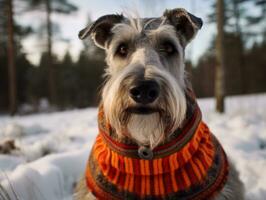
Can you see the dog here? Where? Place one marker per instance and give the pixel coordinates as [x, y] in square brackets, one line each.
[152, 142]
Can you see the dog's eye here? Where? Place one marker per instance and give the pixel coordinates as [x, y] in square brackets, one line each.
[122, 50]
[168, 48]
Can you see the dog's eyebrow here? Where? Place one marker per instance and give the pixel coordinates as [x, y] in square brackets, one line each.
[119, 42]
[163, 31]
[122, 33]
[164, 36]
[164, 39]
[148, 23]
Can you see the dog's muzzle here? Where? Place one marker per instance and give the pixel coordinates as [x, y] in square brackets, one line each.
[145, 92]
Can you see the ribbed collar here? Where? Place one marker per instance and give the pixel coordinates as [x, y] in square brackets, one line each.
[173, 143]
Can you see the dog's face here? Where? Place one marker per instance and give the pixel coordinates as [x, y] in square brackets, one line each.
[143, 97]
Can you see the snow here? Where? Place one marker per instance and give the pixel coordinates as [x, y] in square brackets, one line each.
[242, 132]
[54, 147]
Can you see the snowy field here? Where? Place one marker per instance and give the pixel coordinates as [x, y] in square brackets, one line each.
[53, 148]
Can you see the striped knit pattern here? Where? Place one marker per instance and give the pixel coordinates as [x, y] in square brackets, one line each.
[196, 168]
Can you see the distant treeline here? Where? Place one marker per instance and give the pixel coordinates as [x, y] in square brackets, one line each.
[245, 72]
[78, 83]
[68, 84]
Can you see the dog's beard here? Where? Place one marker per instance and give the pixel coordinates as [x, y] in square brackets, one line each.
[146, 129]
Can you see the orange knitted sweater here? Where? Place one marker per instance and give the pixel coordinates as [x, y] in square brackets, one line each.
[192, 165]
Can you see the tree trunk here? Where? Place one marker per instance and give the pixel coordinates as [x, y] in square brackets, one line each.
[11, 60]
[241, 57]
[220, 68]
[51, 74]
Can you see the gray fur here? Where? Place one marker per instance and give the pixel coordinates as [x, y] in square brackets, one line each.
[81, 191]
[234, 188]
[147, 59]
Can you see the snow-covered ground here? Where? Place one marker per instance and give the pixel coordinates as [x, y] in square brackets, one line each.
[53, 148]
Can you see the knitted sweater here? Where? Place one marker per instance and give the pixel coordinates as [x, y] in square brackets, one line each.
[190, 165]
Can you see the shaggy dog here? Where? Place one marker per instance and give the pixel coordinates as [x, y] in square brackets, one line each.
[152, 142]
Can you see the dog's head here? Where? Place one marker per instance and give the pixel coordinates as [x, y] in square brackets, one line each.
[144, 97]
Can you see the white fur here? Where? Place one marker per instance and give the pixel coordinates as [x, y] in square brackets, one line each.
[146, 129]
[173, 98]
[234, 188]
[168, 31]
[150, 129]
[116, 98]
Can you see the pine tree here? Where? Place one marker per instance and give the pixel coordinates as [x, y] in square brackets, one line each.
[11, 59]
[52, 6]
[234, 12]
[220, 73]
[259, 19]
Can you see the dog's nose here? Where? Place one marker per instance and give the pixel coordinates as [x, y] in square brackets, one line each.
[145, 92]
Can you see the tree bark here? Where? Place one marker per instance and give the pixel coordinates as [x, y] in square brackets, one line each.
[220, 68]
[51, 74]
[11, 60]
[241, 57]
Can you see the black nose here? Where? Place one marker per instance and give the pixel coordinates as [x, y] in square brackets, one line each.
[145, 92]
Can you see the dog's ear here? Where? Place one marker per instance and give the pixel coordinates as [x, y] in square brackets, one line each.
[185, 23]
[100, 30]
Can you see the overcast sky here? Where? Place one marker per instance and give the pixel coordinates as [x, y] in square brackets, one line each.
[71, 24]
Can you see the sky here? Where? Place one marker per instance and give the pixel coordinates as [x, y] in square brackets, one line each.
[71, 24]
